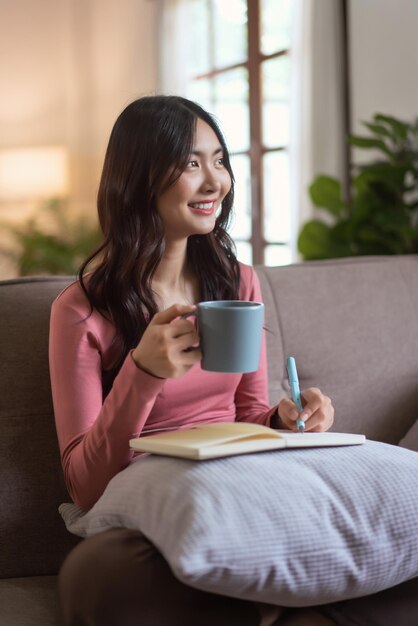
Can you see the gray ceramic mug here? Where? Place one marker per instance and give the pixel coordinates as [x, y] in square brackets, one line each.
[230, 335]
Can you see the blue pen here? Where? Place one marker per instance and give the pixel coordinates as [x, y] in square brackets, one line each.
[292, 374]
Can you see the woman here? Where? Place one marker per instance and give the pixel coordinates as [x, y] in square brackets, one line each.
[120, 356]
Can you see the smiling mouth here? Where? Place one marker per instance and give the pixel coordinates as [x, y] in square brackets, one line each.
[204, 208]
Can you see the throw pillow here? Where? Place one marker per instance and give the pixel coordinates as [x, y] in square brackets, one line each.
[292, 527]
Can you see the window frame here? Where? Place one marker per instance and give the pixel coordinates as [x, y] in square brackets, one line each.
[256, 151]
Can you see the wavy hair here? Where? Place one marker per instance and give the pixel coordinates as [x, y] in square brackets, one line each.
[152, 138]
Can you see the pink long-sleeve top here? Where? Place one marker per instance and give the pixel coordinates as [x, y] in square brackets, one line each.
[93, 433]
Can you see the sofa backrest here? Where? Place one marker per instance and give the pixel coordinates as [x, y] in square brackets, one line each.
[352, 325]
[32, 535]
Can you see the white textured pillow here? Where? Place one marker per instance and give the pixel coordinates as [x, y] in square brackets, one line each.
[293, 527]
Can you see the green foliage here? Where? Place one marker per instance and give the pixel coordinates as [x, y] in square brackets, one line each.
[51, 242]
[381, 217]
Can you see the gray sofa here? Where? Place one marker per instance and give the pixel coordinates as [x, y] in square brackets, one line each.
[351, 324]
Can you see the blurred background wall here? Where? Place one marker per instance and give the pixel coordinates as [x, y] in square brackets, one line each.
[68, 67]
[383, 58]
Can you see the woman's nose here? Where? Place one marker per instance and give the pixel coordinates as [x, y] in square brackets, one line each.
[212, 180]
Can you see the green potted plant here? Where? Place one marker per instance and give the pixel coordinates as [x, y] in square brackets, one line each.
[51, 242]
[381, 215]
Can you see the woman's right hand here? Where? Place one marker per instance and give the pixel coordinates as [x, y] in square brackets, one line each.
[164, 348]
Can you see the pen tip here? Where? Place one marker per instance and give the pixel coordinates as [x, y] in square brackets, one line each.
[301, 425]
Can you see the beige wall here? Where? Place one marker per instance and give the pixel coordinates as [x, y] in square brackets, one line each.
[384, 59]
[67, 68]
[111, 59]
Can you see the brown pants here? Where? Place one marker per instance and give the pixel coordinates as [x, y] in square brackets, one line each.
[397, 606]
[118, 578]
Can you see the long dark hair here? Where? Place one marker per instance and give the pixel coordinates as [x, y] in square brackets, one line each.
[152, 137]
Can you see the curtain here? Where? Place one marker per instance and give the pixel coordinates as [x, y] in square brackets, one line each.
[317, 102]
[174, 24]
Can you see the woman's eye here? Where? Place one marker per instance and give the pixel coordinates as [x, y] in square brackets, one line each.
[192, 164]
[219, 161]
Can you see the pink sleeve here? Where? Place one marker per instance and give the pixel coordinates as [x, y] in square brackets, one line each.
[251, 396]
[93, 435]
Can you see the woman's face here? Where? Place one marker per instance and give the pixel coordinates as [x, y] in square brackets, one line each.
[189, 206]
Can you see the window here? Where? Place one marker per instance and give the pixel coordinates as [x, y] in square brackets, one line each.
[240, 71]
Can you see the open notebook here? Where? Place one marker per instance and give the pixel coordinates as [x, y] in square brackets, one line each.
[210, 441]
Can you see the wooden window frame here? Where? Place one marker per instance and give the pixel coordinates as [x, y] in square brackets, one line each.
[256, 150]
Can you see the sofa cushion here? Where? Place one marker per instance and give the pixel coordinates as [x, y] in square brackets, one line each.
[411, 438]
[293, 528]
[29, 602]
[33, 541]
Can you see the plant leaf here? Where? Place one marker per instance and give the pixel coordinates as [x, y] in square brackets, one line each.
[399, 128]
[313, 240]
[320, 241]
[378, 129]
[367, 142]
[325, 192]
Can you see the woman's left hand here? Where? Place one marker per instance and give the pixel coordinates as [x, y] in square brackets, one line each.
[318, 412]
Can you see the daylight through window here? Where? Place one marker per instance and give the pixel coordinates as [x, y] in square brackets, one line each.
[241, 73]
